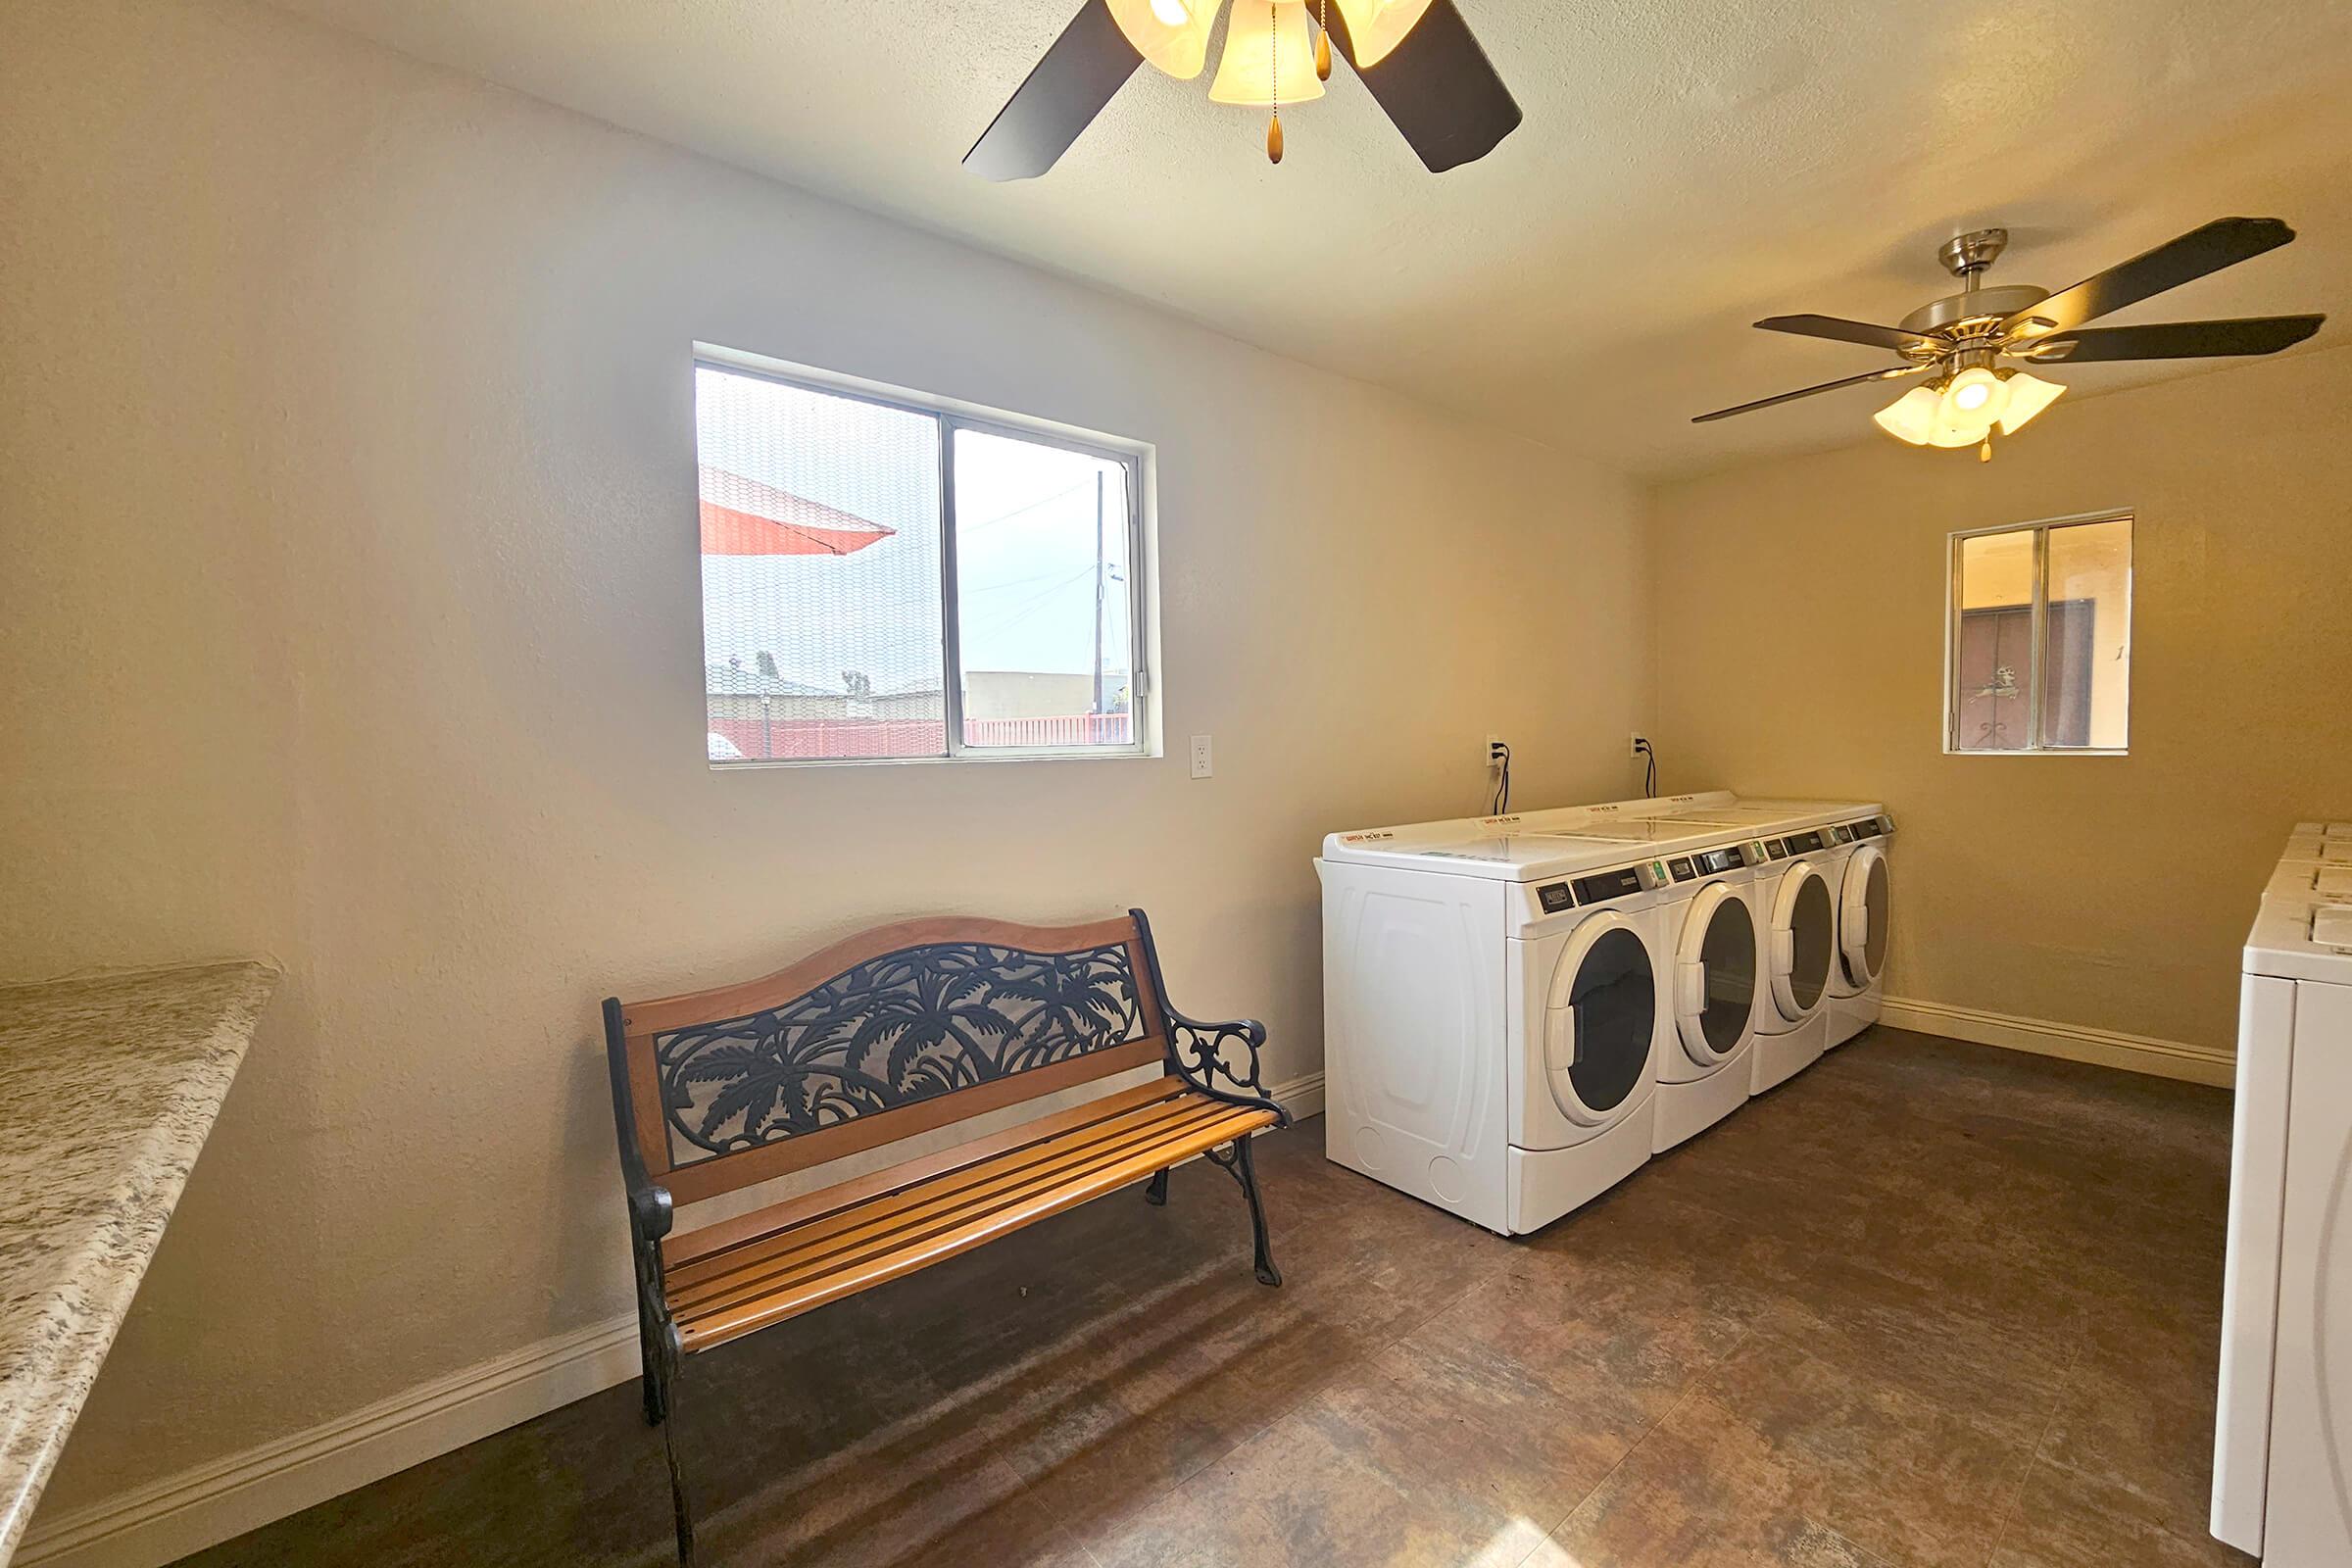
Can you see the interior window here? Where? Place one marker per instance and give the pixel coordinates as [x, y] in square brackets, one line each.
[883, 580]
[2040, 638]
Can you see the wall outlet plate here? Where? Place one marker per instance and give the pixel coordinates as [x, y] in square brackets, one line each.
[1640, 746]
[1204, 763]
[1490, 753]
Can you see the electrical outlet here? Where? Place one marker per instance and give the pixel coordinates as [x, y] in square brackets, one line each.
[1640, 746]
[1491, 753]
[1202, 763]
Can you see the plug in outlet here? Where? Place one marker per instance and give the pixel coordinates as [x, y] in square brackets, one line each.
[1640, 746]
[1493, 753]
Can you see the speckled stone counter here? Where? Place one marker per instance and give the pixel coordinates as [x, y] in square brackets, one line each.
[108, 1088]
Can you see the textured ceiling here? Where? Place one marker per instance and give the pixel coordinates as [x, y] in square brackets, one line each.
[1685, 167]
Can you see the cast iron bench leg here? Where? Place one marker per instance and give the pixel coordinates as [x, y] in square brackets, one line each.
[1247, 1170]
[1157, 1193]
[661, 1367]
[1235, 1158]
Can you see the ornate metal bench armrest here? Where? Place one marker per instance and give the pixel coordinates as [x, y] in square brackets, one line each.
[649, 1208]
[1199, 1052]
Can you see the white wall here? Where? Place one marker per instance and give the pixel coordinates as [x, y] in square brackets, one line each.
[347, 471]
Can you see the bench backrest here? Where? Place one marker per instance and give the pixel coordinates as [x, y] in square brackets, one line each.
[887, 1034]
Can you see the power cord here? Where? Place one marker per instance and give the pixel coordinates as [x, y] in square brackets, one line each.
[1501, 801]
[1650, 773]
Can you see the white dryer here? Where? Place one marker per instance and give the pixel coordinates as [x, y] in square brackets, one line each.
[1798, 901]
[2283, 1444]
[1495, 999]
[1863, 885]
[1711, 930]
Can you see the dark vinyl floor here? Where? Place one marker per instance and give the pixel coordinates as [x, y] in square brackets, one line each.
[1931, 1303]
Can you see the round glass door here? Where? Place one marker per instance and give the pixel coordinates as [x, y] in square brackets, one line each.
[1804, 935]
[1601, 1023]
[1726, 1001]
[1864, 918]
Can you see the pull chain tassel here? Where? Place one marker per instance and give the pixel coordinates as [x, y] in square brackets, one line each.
[1323, 42]
[1274, 83]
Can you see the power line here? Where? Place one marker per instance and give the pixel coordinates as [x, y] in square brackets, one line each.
[987, 524]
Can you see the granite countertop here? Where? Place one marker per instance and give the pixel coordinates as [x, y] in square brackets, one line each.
[108, 1088]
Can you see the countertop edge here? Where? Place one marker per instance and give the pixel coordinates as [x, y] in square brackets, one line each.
[54, 1380]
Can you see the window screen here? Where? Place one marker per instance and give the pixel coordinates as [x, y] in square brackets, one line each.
[2040, 638]
[882, 580]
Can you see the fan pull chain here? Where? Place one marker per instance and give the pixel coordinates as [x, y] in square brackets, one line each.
[1323, 43]
[1274, 82]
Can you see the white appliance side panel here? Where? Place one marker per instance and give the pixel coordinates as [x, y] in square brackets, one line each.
[2308, 1521]
[2241, 1441]
[1413, 1034]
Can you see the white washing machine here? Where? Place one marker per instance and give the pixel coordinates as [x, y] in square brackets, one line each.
[1859, 947]
[1861, 881]
[1495, 999]
[2283, 1441]
[1712, 929]
[1799, 907]
[2322, 880]
[2329, 843]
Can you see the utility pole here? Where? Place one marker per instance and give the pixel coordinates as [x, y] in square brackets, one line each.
[1099, 574]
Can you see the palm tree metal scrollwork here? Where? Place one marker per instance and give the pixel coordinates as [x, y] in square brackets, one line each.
[893, 1030]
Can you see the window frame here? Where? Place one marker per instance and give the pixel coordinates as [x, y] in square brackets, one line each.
[1136, 459]
[1953, 578]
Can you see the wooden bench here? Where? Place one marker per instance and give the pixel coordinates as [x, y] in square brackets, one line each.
[903, 1030]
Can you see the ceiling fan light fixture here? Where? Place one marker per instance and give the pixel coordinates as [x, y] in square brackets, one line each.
[2029, 395]
[1976, 396]
[1375, 28]
[1266, 45]
[1170, 34]
[1912, 416]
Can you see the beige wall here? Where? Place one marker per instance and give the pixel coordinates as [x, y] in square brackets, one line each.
[1806, 657]
[347, 471]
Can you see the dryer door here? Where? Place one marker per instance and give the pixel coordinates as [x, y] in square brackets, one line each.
[1715, 976]
[1599, 1019]
[1803, 927]
[1862, 917]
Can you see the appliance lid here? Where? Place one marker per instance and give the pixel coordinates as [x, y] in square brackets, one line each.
[2302, 939]
[1530, 847]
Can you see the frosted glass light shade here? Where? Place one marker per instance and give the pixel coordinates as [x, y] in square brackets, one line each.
[2029, 395]
[1251, 70]
[1376, 27]
[1912, 416]
[1172, 35]
[1930, 416]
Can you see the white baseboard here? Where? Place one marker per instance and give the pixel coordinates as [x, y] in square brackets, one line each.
[2074, 1041]
[167, 1519]
[1300, 1097]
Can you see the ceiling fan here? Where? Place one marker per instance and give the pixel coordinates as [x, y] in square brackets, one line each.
[1418, 57]
[1958, 341]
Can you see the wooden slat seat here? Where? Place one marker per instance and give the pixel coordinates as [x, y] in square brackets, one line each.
[891, 1034]
[776, 1263]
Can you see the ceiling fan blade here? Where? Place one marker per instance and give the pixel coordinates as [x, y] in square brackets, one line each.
[1846, 331]
[1081, 73]
[1888, 375]
[1439, 88]
[2176, 340]
[2223, 242]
